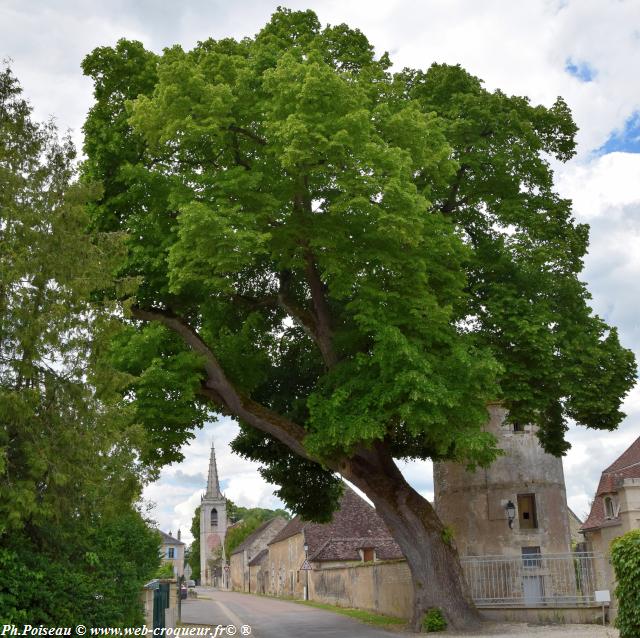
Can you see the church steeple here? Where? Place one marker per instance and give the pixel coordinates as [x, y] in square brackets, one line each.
[213, 486]
[213, 525]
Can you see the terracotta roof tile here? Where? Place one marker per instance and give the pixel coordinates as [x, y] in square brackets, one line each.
[631, 456]
[627, 465]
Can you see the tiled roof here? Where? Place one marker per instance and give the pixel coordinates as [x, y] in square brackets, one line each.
[293, 527]
[627, 465]
[631, 456]
[169, 540]
[348, 549]
[355, 525]
[249, 539]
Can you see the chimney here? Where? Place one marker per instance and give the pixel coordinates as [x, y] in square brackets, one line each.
[178, 533]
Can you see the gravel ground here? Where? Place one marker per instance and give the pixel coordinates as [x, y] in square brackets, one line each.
[521, 630]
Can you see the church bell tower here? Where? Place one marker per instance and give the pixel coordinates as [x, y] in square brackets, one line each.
[213, 525]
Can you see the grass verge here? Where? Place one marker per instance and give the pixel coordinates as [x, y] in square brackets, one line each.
[360, 614]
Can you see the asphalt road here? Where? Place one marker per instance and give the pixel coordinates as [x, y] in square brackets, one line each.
[274, 618]
[270, 618]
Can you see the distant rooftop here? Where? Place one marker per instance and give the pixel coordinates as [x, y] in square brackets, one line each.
[167, 539]
[627, 465]
[355, 525]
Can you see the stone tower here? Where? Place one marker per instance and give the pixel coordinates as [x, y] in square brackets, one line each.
[213, 524]
[474, 504]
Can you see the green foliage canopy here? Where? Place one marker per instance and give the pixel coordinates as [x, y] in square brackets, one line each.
[247, 520]
[370, 256]
[73, 549]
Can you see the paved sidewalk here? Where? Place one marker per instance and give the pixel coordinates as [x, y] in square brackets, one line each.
[523, 630]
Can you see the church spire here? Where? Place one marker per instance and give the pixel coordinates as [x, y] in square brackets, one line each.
[213, 486]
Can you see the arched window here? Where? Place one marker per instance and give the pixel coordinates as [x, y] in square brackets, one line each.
[608, 507]
[214, 517]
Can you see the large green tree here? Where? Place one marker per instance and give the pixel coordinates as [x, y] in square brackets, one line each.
[73, 549]
[350, 262]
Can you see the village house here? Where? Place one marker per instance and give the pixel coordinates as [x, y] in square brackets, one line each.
[616, 507]
[250, 548]
[355, 535]
[575, 525]
[172, 552]
[259, 572]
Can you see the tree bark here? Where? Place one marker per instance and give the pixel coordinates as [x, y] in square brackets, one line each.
[438, 580]
[435, 568]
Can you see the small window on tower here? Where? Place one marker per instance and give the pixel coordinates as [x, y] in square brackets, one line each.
[518, 427]
[527, 515]
[531, 557]
[214, 517]
[609, 510]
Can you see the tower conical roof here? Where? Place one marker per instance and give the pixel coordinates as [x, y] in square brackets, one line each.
[213, 485]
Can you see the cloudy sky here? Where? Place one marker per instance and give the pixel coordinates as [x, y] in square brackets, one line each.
[588, 51]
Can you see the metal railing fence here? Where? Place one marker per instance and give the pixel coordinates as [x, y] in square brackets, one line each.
[533, 580]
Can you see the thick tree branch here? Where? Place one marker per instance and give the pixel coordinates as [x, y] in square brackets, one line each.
[316, 323]
[451, 202]
[248, 133]
[240, 161]
[253, 303]
[301, 315]
[218, 388]
[322, 315]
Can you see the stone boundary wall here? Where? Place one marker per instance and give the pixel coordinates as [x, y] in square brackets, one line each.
[383, 587]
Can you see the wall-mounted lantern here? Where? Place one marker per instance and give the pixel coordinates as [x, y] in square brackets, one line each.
[511, 512]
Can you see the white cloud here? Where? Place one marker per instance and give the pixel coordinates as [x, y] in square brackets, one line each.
[174, 495]
[519, 47]
[250, 490]
[602, 187]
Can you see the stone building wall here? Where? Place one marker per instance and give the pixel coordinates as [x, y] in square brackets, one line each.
[253, 545]
[386, 588]
[211, 535]
[473, 503]
[383, 588]
[259, 576]
[285, 559]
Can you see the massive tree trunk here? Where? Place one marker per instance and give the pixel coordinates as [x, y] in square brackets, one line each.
[432, 558]
[438, 580]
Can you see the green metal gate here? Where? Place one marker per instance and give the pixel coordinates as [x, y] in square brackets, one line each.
[160, 603]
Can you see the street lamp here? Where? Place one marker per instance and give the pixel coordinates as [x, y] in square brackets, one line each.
[306, 571]
[511, 512]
